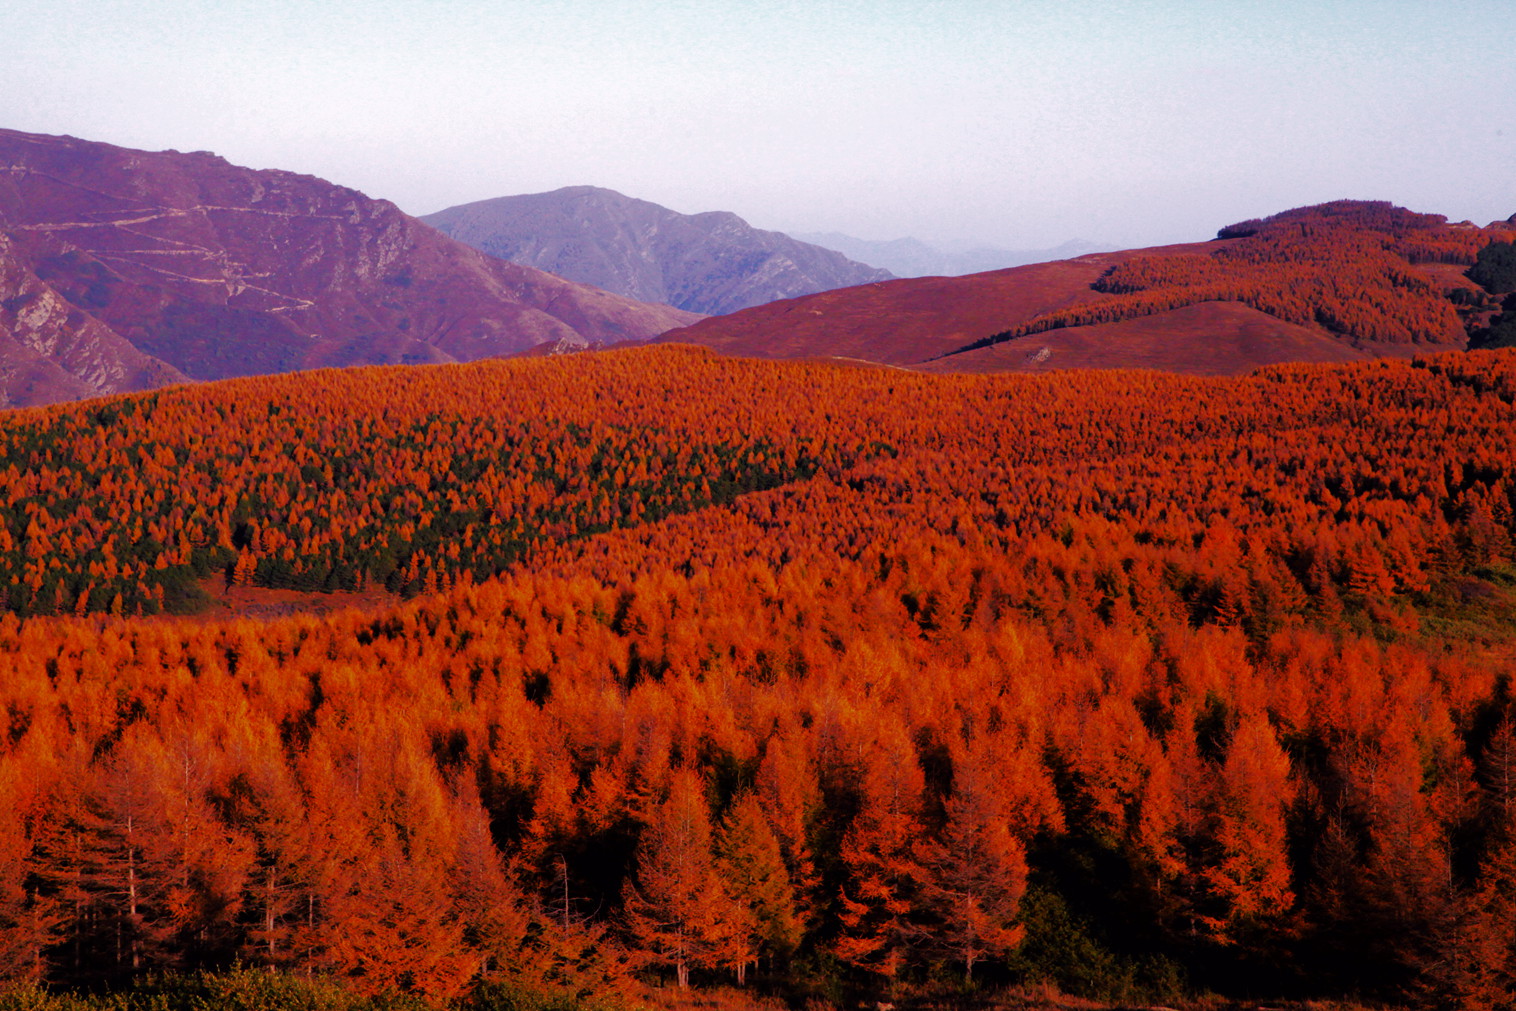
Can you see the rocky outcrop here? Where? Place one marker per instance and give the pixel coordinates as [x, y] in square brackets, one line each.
[52, 350]
[707, 263]
[123, 270]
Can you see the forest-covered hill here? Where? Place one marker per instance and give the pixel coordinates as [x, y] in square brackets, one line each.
[837, 681]
[1345, 280]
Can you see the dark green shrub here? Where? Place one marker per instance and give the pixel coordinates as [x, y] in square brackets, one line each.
[1495, 269]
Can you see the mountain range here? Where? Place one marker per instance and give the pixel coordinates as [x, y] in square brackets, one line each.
[710, 263]
[124, 270]
[913, 258]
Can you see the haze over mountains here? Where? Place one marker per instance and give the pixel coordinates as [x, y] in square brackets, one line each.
[709, 263]
[910, 257]
[126, 270]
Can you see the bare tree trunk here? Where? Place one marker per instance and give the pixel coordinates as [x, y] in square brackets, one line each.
[564, 870]
[131, 892]
[268, 913]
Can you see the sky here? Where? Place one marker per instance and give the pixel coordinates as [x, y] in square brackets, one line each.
[1018, 123]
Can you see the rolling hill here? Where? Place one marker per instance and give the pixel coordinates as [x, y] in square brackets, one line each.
[1352, 279]
[123, 270]
[710, 263]
[900, 322]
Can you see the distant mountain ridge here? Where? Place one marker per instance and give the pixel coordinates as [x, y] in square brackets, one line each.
[123, 270]
[711, 263]
[910, 257]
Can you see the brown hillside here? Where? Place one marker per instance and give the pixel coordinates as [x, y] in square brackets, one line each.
[124, 270]
[1209, 338]
[1333, 282]
[906, 322]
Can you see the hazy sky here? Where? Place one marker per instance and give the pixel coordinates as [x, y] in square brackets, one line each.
[1021, 123]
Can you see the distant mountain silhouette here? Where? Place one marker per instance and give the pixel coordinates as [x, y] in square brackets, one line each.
[708, 263]
[124, 270]
[913, 258]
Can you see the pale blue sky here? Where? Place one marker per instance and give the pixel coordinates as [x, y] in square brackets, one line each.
[1016, 123]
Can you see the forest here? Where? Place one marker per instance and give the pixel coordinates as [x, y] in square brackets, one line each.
[1351, 267]
[1494, 270]
[816, 683]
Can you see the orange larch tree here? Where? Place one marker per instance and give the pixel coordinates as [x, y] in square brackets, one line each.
[676, 909]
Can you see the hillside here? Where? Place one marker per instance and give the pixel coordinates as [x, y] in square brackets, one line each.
[124, 270]
[709, 263]
[1208, 338]
[1125, 684]
[906, 321]
[1333, 282]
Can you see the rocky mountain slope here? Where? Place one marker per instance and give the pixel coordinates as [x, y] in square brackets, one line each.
[708, 263]
[124, 270]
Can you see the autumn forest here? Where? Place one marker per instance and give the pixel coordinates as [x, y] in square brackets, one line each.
[818, 682]
[1353, 268]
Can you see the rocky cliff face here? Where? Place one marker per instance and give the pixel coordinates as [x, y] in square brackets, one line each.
[708, 263]
[51, 350]
[124, 270]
